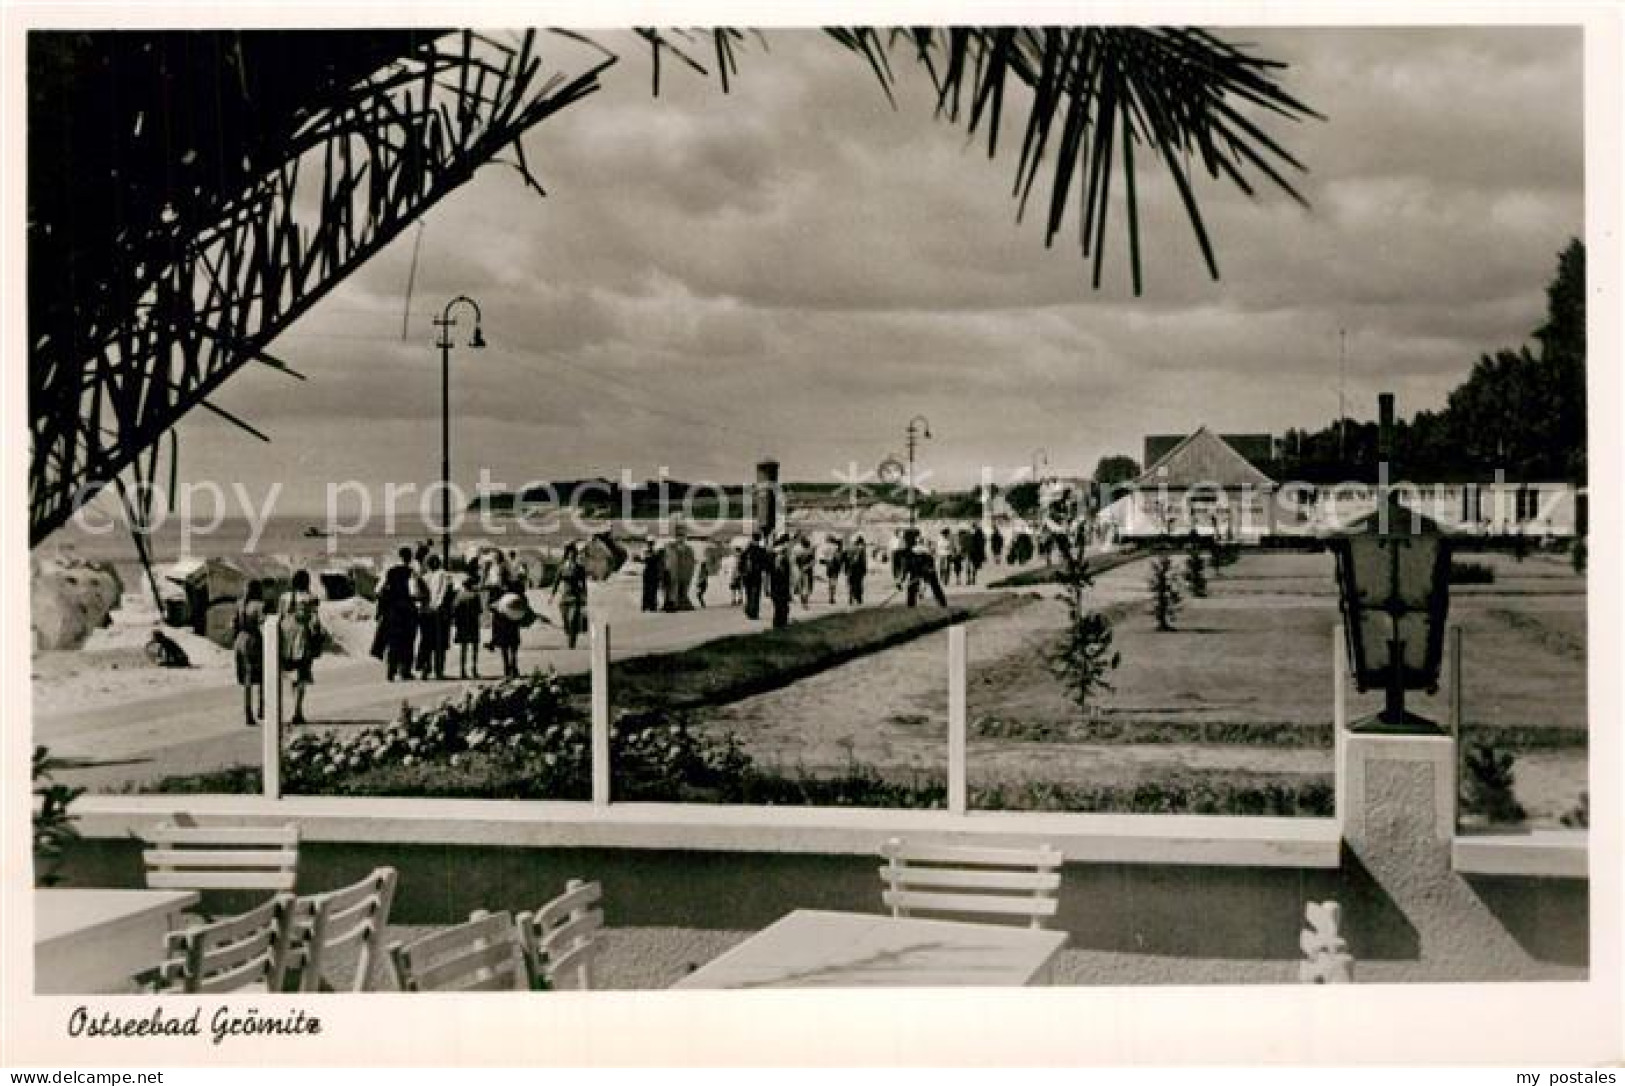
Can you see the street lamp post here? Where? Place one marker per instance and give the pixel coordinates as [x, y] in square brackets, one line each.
[446, 322]
[915, 435]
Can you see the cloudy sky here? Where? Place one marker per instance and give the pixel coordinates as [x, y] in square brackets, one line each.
[795, 269]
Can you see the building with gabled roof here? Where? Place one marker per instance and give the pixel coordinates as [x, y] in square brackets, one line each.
[1201, 484]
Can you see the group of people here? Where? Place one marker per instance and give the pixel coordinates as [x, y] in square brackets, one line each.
[300, 640]
[424, 608]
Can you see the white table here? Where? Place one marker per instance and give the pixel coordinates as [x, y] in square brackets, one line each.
[94, 941]
[813, 949]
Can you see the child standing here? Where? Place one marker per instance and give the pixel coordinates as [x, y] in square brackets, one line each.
[466, 607]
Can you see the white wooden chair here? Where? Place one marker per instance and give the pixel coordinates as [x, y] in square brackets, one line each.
[326, 923]
[561, 938]
[240, 953]
[186, 856]
[483, 954]
[1003, 882]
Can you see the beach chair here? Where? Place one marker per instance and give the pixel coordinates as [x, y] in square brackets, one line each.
[188, 856]
[1000, 882]
[561, 938]
[327, 926]
[483, 954]
[240, 953]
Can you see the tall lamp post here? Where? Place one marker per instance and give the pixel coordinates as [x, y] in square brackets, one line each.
[915, 434]
[1393, 583]
[446, 322]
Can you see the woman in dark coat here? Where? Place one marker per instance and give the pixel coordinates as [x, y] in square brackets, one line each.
[397, 621]
[780, 573]
[856, 564]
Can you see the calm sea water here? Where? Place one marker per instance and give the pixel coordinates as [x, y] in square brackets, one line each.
[290, 537]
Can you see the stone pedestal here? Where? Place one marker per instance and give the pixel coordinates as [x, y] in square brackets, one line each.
[1397, 788]
[1397, 807]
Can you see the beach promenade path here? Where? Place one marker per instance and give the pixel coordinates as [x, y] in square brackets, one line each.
[124, 746]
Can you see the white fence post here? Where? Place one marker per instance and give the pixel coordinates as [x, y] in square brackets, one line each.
[600, 713]
[1457, 716]
[1340, 714]
[956, 719]
[271, 726]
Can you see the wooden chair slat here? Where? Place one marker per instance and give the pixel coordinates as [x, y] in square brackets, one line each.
[435, 944]
[227, 836]
[560, 908]
[220, 958]
[568, 934]
[573, 968]
[201, 879]
[956, 878]
[498, 957]
[969, 903]
[243, 978]
[1044, 857]
[207, 858]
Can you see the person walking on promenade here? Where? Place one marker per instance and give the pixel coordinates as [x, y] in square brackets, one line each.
[729, 571]
[753, 570]
[467, 604]
[397, 618]
[997, 543]
[570, 588]
[899, 556]
[300, 633]
[945, 556]
[779, 579]
[654, 572]
[432, 606]
[702, 580]
[856, 564]
[830, 557]
[975, 552]
[806, 560]
[248, 646]
[923, 571]
[506, 616]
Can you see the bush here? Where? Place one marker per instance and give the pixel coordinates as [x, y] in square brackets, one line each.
[1263, 795]
[1471, 573]
[1195, 573]
[1577, 555]
[529, 721]
[1489, 782]
[1084, 656]
[54, 830]
[1579, 816]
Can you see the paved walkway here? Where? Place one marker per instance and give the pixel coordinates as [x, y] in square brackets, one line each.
[127, 745]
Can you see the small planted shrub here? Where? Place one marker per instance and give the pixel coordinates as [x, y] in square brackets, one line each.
[1520, 545]
[1165, 598]
[1579, 816]
[1085, 657]
[54, 830]
[1471, 573]
[1488, 781]
[1577, 555]
[1196, 574]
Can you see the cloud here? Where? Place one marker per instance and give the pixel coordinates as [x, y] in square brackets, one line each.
[796, 268]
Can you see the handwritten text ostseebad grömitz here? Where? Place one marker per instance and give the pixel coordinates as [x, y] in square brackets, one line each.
[224, 1022]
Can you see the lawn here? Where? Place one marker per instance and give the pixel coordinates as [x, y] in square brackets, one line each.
[1239, 693]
